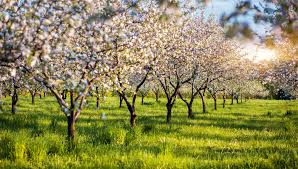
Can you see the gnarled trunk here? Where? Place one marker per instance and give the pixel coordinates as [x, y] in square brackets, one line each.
[169, 112]
[157, 96]
[97, 97]
[71, 118]
[190, 113]
[32, 93]
[13, 108]
[189, 104]
[133, 115]
[120, 101]
[143, 100]
[203, 102]
[215, 102]
[33, 98]
[97, 102]
[71, 127]
[237, 99]
[232, 99]
[171, 96]
[14, 100]
[131, 108]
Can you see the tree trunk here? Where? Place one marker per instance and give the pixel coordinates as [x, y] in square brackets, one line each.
[241, 98]
[44, 94]
[97, 97]
[237, 99]
[142, 100]
[133, 115]
[156, 97]
[169, 112]
[232, 101]
[71, 127]
[224, 101]
[13, 108]
[40, 96]
[215, 102]
[71, 119]
[121, 101]
[33, 98]
[189, 104]
[97, 102]
[14, 100]
[190, 113]
[203, 102]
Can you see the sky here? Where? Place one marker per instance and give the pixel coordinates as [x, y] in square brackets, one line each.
[253, 48]
[218, 7]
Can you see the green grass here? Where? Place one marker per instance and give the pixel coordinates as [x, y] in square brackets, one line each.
[254, 134]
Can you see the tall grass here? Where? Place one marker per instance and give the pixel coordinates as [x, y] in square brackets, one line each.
[254, 134]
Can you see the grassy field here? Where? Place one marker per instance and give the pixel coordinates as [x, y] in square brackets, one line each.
[254, 134]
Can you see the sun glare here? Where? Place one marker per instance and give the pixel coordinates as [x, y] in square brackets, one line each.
[258, 53]
[264, 54]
